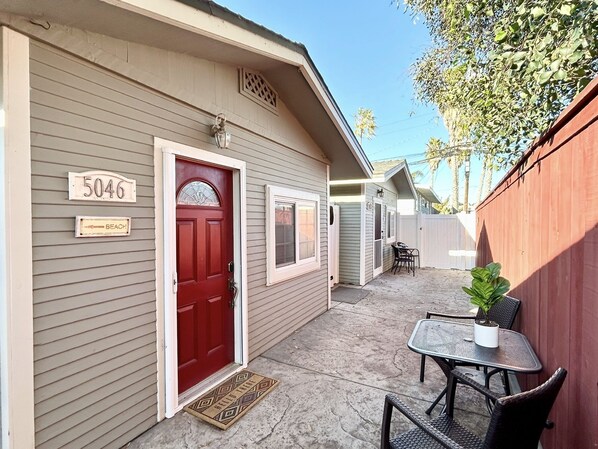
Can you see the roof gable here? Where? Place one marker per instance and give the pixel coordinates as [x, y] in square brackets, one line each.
[206, 30]
[393, 170]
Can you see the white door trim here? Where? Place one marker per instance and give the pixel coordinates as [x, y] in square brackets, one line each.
[379, 270]
[16, 259]
[328, 205]
[165, 153]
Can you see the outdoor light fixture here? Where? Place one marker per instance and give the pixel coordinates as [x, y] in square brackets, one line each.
[380, 193]
[219, 132]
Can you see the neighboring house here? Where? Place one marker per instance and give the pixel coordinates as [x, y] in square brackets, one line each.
[426, 197]
[368, 209]
[109, 109]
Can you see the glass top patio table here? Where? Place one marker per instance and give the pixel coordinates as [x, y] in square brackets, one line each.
[453, 341]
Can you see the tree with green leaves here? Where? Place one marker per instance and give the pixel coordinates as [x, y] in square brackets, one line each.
[509, 66]
[365, 124]
[444, 208]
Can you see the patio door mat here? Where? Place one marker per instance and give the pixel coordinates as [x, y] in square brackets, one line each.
[349, 295]
[223, 405]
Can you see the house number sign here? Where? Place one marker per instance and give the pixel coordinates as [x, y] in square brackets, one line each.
[102, 186]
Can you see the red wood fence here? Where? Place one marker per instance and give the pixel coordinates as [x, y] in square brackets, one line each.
[541, 223]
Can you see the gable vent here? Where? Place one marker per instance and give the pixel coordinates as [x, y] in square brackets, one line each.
[255, 87]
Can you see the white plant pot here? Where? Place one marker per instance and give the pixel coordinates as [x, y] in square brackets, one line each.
[485, 335]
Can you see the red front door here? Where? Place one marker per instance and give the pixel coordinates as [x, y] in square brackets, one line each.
[204, 250]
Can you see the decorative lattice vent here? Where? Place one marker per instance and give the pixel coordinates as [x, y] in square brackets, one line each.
[254, 86]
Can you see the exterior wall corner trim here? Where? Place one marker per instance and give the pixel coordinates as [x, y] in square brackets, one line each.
[16, 275]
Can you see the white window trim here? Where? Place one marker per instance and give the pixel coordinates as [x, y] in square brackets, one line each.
[391, 238]
[276, 274]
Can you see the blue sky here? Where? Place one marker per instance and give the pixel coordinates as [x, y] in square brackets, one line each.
[364, 50]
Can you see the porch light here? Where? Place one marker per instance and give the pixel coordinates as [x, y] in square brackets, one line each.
[219, 132]
[380, 193]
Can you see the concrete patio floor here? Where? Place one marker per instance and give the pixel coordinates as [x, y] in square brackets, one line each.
[335, 371]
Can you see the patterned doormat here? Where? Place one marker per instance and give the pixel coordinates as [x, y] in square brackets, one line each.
[223, 405]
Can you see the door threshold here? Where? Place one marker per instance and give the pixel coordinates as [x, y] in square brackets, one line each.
[210, 382]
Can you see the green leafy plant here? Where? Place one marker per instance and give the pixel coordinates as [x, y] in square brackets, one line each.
[508, 67]
[487, 287]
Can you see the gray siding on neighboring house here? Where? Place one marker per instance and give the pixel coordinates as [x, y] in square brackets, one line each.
[350, 243]
[94, 299]
[351, 230]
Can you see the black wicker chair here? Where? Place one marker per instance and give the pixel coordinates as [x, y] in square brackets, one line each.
[516, 422]
[503, 313]
[412, 251]
[403, 258]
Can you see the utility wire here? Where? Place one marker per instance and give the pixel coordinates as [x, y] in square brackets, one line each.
[414, 117]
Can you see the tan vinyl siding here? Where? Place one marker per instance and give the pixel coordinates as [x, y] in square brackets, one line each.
[276, 311]
[350, 243]
[94, 299]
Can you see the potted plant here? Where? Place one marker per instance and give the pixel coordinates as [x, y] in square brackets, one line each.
[487, 289]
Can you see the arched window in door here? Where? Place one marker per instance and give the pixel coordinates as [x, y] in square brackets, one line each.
[198, 193]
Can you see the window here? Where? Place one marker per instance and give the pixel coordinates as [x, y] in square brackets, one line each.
[391, 225]
[292, 233]
[198, 193]
[284, 236]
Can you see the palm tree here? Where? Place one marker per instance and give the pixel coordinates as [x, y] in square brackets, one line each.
[434, 155]
[453, 157]
[417, 176]
[365, 124]
[467, 160]
[488, 169]
[482, 178]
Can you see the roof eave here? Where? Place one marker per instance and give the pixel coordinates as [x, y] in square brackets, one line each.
[301, 58]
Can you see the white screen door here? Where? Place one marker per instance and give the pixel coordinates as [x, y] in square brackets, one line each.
[378, 237]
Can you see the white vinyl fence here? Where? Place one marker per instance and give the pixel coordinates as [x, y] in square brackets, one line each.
[444, 241]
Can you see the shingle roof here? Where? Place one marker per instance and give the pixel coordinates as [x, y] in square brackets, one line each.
[428, 193]
[381, 167]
